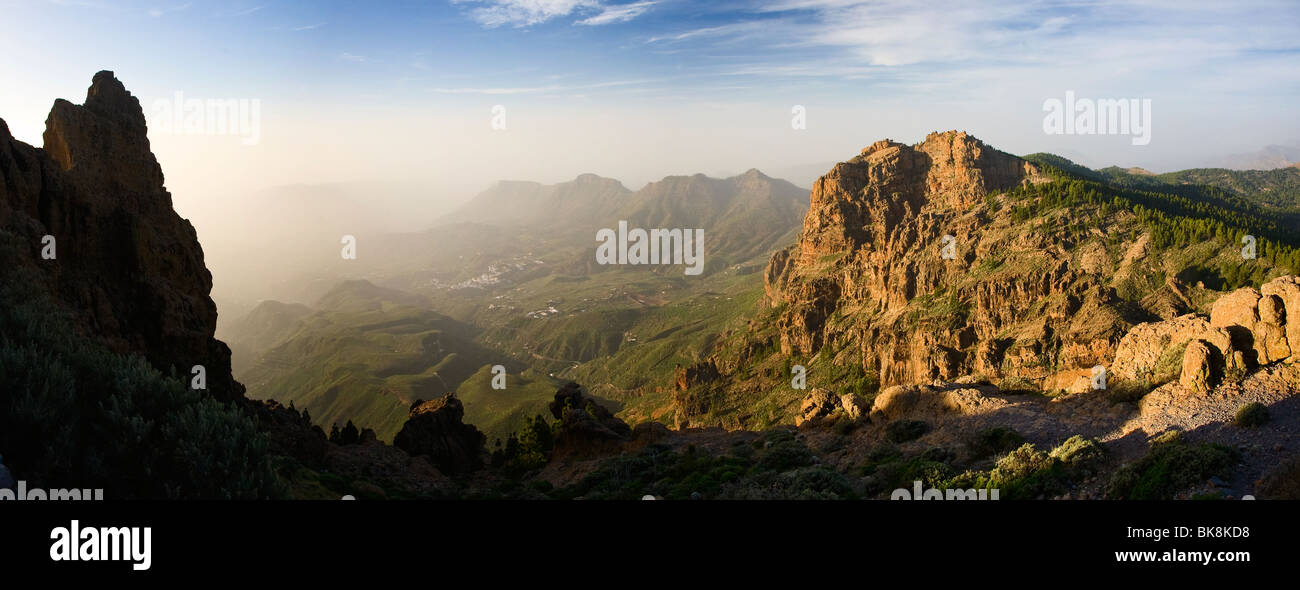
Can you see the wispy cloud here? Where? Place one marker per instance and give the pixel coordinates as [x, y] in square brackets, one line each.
[248, 11]
[349, 57]
[523, 13]
[618, 14]
[309, 27]
[526, 13]
[727, 30]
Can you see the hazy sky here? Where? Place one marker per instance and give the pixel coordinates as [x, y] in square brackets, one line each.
[405, 90]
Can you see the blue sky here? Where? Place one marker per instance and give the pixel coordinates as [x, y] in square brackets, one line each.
[641, 89]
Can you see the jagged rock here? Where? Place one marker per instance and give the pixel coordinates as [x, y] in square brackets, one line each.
[127, 264]
[819, 403]
[436, 429]
[870, 249]
[702, 372]
[1197, 373]
[586, 427]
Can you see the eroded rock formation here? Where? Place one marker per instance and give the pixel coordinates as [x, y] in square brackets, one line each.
[125, 262]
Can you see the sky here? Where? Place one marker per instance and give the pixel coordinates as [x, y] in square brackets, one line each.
[407, 91]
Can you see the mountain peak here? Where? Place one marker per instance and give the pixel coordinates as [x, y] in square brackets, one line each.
[135, 269]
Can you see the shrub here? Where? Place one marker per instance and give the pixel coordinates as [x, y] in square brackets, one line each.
[786, 455]
[1021, 463]
[1169, 467]
[1282, 482]
[80, 416]
[1170, 365]
[1251, 415]
[905, 430]
[1079, 452]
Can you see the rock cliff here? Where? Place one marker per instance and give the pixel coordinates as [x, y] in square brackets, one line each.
[124, 262]
[910, 264]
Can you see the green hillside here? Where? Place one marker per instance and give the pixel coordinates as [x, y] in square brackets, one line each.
[365, 358]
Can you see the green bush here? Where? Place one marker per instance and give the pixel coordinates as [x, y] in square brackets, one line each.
[1079, 452]
[1169, 467]
[1251, 415]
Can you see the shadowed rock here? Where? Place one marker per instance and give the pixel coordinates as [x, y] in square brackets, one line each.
[436, 429]
[127, 264]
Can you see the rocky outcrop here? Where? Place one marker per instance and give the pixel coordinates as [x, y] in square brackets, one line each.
[818, 403]
[854, 406]
[1247, 328]
[586, 428]
[931, 401]
[902, 265]
[436, 429]
[125, 262]
[702, 372]
[821, 403]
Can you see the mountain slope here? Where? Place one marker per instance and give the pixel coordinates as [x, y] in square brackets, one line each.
[1048, 268]
[365, 355]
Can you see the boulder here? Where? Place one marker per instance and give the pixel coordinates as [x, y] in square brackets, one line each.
[1142, 348]
[819, 403]
[854, 406]
[1197, 374]
[1238, 308]
[1287, 292]
[436, 429]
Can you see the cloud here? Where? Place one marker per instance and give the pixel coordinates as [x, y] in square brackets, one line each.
[309, 27]
[526, 13]
[352, 58]
[248, 11]
[618, 14]
[523, 13]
